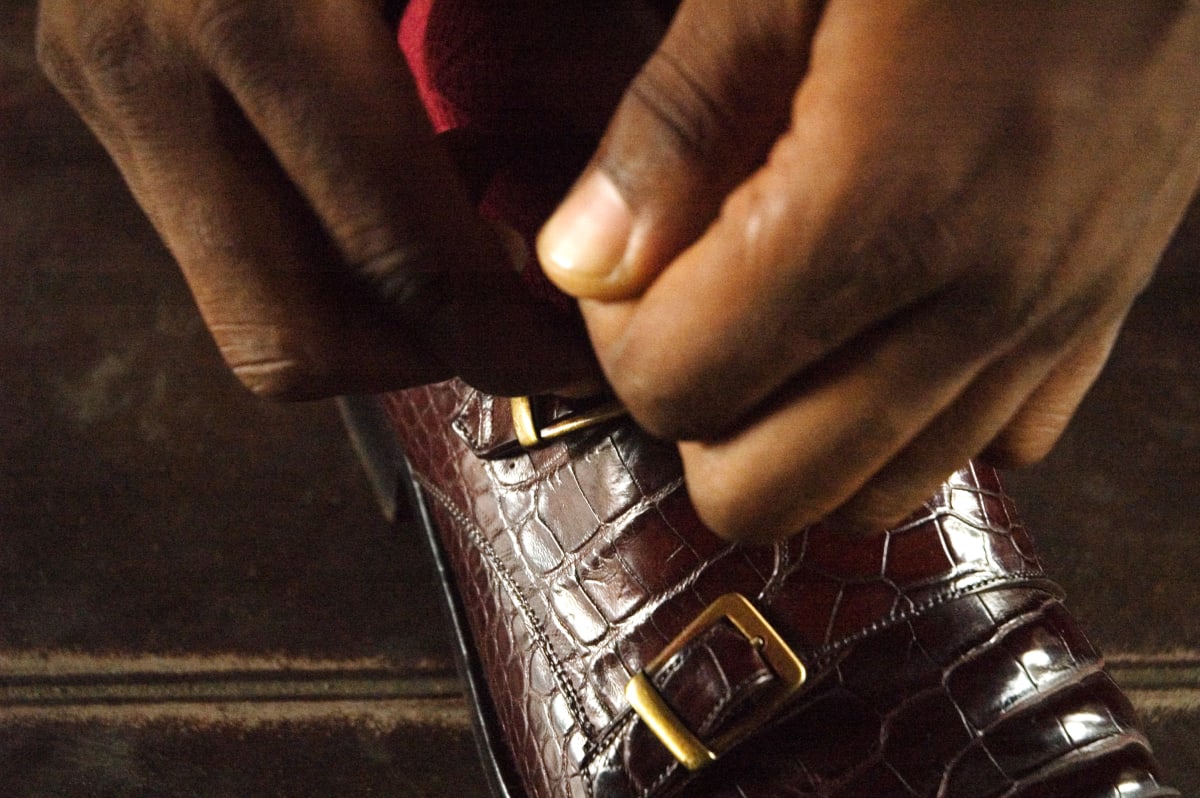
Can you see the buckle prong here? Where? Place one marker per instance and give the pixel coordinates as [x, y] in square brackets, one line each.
[674, 734]
[531, 433]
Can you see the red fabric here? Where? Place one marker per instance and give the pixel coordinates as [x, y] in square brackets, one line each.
[488, 66]
[411, 37]
[471, 63]
[447, 48]
[525, 87]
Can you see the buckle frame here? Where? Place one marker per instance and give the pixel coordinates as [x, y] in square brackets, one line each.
[672, 732]
[531, 433]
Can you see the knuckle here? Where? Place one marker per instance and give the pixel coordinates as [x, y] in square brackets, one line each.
[103, 60]
[54, 53]
[382, 246]
[406, 277]
[914, 252]
[280, 378]
[118, 53]
[65, 74]
[925, 245]
[271, 361]
[987, 309]
[247, 41]
[692, 120]
[719, 84]
[218, 22]
[1006, 298]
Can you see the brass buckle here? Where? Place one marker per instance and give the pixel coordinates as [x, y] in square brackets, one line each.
[531, 434]
[649, 704]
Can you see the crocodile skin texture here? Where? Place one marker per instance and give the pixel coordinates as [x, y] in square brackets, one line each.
[940, 660]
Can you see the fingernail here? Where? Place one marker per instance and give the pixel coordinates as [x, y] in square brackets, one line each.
[584, 242]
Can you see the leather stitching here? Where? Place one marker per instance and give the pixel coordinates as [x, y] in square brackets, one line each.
[824, 657]
[518, 596]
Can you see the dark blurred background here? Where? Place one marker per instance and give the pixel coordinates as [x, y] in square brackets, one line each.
[200, 596]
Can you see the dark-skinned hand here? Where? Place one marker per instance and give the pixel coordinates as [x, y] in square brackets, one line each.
[283, 154]
[836, 249]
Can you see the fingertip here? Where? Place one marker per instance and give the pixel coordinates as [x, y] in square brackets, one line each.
[733, 503]
[860, 525]
[582, 246]
[883, 504]
[743, 530]
[1013, 449]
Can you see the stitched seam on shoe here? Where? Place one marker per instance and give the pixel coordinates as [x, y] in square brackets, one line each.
[823, 657]
[614, 736]
[734, 693]
[541, 639]
[1035, 579]
[1083, 670]
[670, 769]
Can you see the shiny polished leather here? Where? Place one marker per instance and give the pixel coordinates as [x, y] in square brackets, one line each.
[940, 659]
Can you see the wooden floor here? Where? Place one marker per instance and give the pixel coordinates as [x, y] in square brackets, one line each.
[200, 597]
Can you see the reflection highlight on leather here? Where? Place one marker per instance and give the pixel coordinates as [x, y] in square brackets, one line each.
[1080, 726]
[939, 651]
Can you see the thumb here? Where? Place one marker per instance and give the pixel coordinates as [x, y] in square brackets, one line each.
[697, 120]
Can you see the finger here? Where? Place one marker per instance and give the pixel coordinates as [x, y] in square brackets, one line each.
[69, 58]
[819, 442]
[1021, 404]
[289, 321]
[286, 320]
[697, 120]
[329, 94]
[1034, 429]
[845, 225]
[946, 443]
[805, 257]
[889, 451]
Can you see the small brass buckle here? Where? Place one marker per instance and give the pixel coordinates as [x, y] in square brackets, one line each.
[648, 703]
[531, 434]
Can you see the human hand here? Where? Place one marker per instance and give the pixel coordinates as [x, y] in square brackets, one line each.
[836, 249]
[280, 149]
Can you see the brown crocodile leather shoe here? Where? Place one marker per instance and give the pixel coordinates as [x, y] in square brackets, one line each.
[614, 647]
